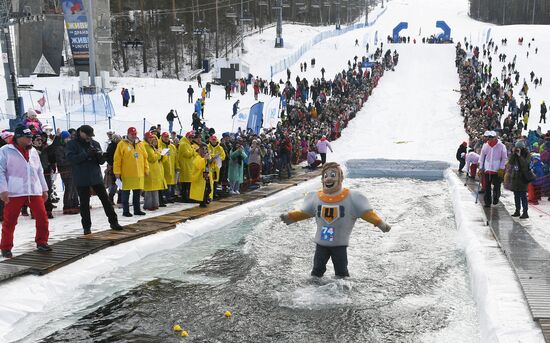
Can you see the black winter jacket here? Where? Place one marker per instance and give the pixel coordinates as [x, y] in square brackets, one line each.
[85, 157]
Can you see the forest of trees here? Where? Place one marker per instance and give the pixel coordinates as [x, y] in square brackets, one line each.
[507, 12]
[211, 25]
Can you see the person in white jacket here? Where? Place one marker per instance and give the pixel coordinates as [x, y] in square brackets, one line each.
[322, 147]
[472, 161]
[492, 162]
[22, 183]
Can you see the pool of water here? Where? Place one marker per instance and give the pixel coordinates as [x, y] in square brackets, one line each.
[409, 285]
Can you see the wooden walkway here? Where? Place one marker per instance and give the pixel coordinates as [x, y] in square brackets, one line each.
[529, 260]
[73, 249]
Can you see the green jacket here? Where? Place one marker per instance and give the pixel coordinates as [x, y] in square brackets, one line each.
[519, 166]
[236, 166]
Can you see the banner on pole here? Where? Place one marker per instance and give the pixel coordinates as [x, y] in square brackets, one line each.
[240, 120]
[255, 118]
[77, 30]
[271, 117]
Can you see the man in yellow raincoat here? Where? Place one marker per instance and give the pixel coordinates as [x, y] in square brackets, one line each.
[218, 154]
[130, 165]
[169, 165]
[184, 164]
[201, 179]
[154, 181]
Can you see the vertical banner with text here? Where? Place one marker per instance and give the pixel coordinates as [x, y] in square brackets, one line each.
[77, 30]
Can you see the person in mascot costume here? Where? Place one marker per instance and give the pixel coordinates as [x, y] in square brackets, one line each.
[335, 210]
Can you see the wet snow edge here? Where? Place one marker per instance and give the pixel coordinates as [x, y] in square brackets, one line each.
[502, 310]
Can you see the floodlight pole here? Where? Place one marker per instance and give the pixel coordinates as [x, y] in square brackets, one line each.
[242, 28]
[279, 39]
[366, 12]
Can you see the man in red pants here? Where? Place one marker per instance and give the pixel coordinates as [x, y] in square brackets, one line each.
[22, 183]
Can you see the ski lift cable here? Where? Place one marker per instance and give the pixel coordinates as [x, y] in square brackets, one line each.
[185, 10]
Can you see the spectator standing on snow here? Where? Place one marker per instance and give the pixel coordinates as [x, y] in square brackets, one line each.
[110, 179]
[492, 162]
[208, 89]
[133, 95]
[199, 81]
[543, 111]
[71, 204]
[190, 92]
[130, 165]
[461, 156]
[323, 146]
[170, 118]
[235, 108]
[22, 182]
[228, 91]
[198, 108]
[123, 97]
[126, 96]
[86, 157]
[323, 72]
[519, 166]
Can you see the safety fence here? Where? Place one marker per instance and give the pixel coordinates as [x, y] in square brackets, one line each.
[321, 36]
[101, 124]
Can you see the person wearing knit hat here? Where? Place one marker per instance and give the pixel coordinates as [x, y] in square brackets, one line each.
[7, 137]
[71, 204]
[130, 166]
[22, 182]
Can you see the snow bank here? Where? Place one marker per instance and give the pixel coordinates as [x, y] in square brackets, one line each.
[503, 312]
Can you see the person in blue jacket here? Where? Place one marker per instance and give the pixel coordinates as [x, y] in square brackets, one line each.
[198, 108]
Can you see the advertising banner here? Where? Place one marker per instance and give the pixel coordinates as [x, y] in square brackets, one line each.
[77, 30]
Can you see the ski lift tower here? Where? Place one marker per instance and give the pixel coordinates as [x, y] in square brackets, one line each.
[279, 39]
[13, 105]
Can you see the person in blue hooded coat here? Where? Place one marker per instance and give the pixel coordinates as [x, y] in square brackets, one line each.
[198, 108]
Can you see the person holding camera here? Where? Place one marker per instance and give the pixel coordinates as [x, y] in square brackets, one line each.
[86, 157]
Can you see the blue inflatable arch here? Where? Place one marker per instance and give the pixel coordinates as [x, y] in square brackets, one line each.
[401, 26]
[446, 35]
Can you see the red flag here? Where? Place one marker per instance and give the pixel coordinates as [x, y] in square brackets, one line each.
[42, 101]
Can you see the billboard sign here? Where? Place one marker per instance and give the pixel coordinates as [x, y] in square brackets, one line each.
[77, 30]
